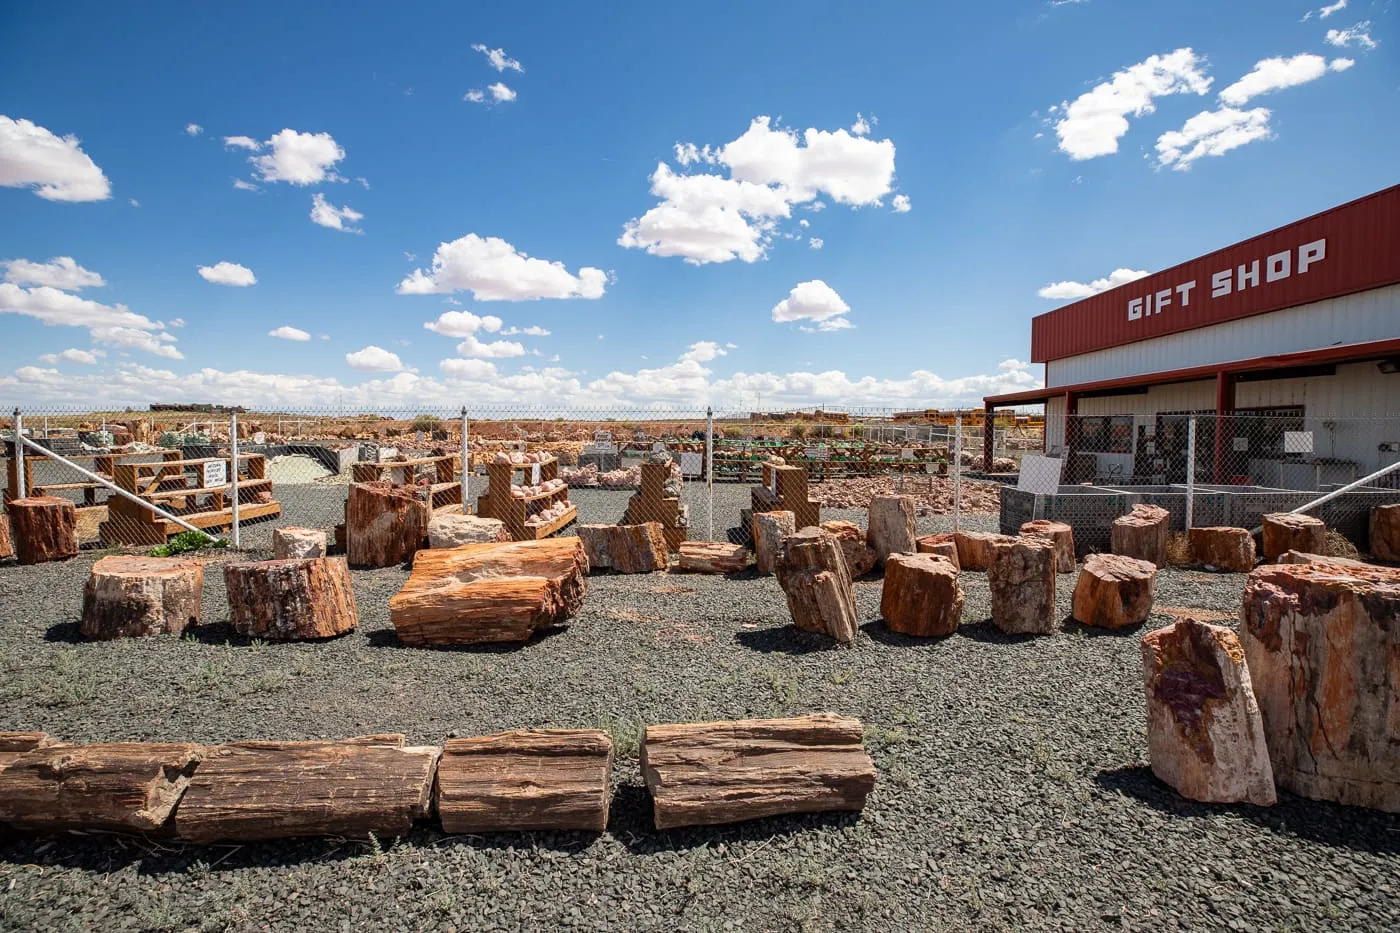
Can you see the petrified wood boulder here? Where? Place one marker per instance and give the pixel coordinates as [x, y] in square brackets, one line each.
[1114, 591]
[769, 531]
[15, 744]
[453, 529]
[287, 600]
[293, 543]
[1205, 736]
[531, 779]
[812, 572]
[712, 557]
[1230, 549]
[45, 529]
[890, 526]
[126, 595]
[385, 524]
[1298, 557]
[490, 592]
[860, 556]
[1059, 534]
[921, 595]
[941, 545]
[625, 548]
[1142, 533]
[1287, 531]
[1385, 533]
[249, 791]
[975, 548]
[1022, 580]
[1322, 642]
[120, 786]
[706, 773]
[7, 548]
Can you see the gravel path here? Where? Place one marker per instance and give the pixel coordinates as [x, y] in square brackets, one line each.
[1012, 789]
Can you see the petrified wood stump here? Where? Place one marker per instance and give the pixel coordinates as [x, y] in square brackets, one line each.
[812, 572]
[1385, 533]
[454, 529]
[890, 526]
[1286, 531]
[298, 543]
[118, 786]
[490, 592]
[1059, 534]
[134, 596]
[385, 524]
[249, 791]
[702, 774]
[283, 600]
[941, 545]
[1323, 647]
[1224, 548]
[1204, 733]
[1022, 580]
[975, 548]
[1114, 591]
[625, 548]
[1142, 533]
[860, 556]
[45, 529]
[532, 779]
[921, 595]
[769, 531]
[712, 557]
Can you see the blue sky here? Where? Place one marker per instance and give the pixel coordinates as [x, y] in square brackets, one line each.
[965, 156]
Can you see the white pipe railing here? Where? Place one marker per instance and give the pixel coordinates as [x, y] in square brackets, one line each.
[1389, 468]
[232, 476]
[466, 467]
[957, 470]
[22, 487]
[710, 470]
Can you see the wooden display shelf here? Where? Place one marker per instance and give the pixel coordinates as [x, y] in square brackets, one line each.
[103, 464]
[447, 469]
[126, 531]
[549, 528]
[651, 504]
[167, 483]
[784, 489]
[499, 503]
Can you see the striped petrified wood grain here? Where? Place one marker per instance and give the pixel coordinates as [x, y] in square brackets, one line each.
[15, 744]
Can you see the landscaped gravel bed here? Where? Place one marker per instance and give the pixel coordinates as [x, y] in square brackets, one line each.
[1012, 794]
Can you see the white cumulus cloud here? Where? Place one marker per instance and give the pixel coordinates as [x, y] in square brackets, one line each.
[374, 359]
[73, 355]
[286, 332]
[468, 369]
[61, 272]
[493, 270]
[337, 218]
[1274, 74]
[243, 185]
[497, 58]
[901, 204]
[1212, 133]
[703, 351]
[534, 330]
[500, 93]
[1332, 8]
[242, 142]
[1059, 291]
[463, 323]
[475, 96]
[193, 129]
[813, 301]
[1093, 123]
[1359, 34]
[816, 242]
[56, 167]
[228, 273]
[295, 158]
[495, 349]
[110, 325]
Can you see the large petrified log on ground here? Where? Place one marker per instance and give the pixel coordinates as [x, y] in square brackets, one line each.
[975, 548]
[454, 529]
[126, 595]
[812, 572]
[701, 774]
[712, 557]
[1323, 645]
[249, 791]
[490, 592]
[1205, 736]
[1224, 548]
[294, 543]
[15, 744]
[625, 548]
[921, 595]
[384, 524]
[45, 528]
[1022, 580]
[1058, 533]
[1114, 591]
[531, 779]
[283, 600]
[131, 786]
[1142, 533]
[1385, 532]
[1289, 531]
[770, 529]
[941, 545]
[890, 526]
[860, 556]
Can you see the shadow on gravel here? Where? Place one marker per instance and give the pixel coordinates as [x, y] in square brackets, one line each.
[1072, 627]
[878, 632]
[1318, 821]
[783, 639]
[106, 853]
[63, 632]
[985, 631]
[223, 635]
[388, 638]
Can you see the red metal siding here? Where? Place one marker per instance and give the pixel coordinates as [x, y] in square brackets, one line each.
[1362, 252]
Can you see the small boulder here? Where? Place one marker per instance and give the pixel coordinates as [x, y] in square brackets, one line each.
[1114, 591]
[975, 548]
[1059, 534]
[712, 557]
[1142, 533]
[1229, 549]
[1385, 533]
[921, 595]
[941, 545]
[1288, 531]
[451, 529]
[890, 526]
[625, 548]
[298, 543]
[860, 557]
[769, 530]
[1022, 580]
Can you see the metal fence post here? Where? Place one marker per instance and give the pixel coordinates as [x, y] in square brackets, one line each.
[237, 541]
[710, 469]
[466, 467]
[21, 486]
[957, 469]
[1190, 472]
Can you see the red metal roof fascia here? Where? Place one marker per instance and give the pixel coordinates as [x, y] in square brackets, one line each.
[1352, 352]
[1361, 252]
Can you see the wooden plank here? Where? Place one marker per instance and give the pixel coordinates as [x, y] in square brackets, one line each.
[243, 484]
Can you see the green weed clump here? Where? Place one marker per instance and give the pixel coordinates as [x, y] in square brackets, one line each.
[185, 542]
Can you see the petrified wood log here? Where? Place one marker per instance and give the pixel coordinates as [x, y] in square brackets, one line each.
[1142, 533]
[291, 599]
[127, 595]
[532, 779]
[117, 786]
[1204, 733]
[15, 744]
[921, 595]
[890, 526]
[860, 556]
[1323, 644]
[1114, 591]
[248, 791]
[625, 548]
[712, 557]
[705, 773]
[1224, 548]
[1298, 557]
[812, 572]
[384, 524]
[1058, 533]
[298, 543]
[769, 531]
[1385, 532]
[1287, 531]
[940, 545]
[490, 592]
[7, 548]
[975, 548]
[1022, 580]
[454, 529]
[45, 528]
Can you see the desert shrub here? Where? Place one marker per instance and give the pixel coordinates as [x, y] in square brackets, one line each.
[185, 542]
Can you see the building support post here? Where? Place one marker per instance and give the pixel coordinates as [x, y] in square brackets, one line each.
[1224, 424]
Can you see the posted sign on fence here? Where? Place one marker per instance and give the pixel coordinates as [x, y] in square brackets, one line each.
[214, 473]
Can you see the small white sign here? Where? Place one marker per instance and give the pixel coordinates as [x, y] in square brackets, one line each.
[534, 474]
[658, 448]
[260, 438]
[214, 473]
[1241, 443]
[817, 453]
[906, 453]
[603, 447]
[417, 437]
[1040, 475]
[692, 464]
[1297, 442]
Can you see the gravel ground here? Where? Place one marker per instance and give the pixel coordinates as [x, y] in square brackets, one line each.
[1012, 793]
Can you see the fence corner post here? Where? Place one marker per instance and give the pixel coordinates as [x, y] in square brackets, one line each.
[710, 469]
[237, 540]
[466, 467]
[957, 469]
[21, 487]
[1190, 472]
